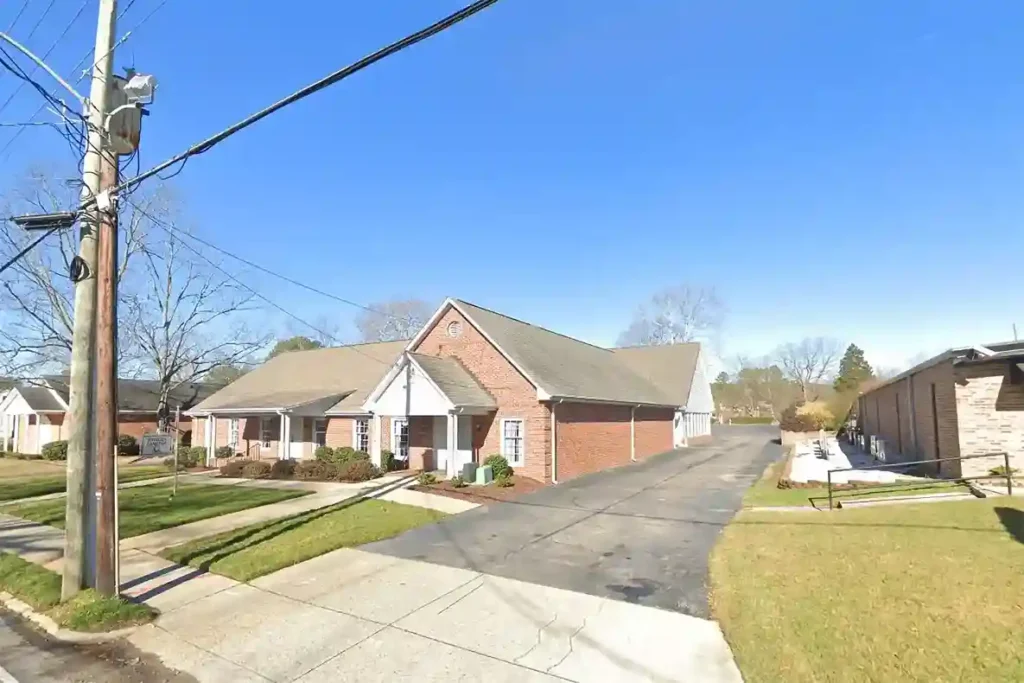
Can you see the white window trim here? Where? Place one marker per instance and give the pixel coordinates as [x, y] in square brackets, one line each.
[316, 423]
[233, 435]
[522, 440]
[355, 433]
[395, 437]
[265, 429]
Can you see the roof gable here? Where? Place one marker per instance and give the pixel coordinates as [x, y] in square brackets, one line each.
[670, 367]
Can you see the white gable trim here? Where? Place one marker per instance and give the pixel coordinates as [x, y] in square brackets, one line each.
[385, 381]
[14, 394]
[542, 393]
[420, 395]
[700, 399]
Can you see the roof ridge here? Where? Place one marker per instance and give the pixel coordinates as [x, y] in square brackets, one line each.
[523, 322]
[652, 346]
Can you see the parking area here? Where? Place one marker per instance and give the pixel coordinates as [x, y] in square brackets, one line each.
[640, 533]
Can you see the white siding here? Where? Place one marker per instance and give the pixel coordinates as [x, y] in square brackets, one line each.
[411, 393]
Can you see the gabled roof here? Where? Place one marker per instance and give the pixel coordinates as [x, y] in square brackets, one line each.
[143, 395]
[996, 351]
[297, 378]
[41, 399]
[670, 367]
[454, 381]
[560, 366]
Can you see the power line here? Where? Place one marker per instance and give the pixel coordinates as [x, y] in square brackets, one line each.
[181, 233]
[17, 16]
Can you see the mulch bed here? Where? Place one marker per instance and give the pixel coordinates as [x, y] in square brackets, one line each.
[485, 495]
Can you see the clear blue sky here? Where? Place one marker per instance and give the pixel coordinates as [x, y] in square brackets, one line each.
[849, 168]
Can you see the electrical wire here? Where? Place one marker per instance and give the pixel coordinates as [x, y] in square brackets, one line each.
[32, 245]
[181, 233]
[17, 16]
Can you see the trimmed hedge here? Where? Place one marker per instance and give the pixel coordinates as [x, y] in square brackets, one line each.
[315, 470]
[282, 469]
[256, 469]
[224, 452]
[55, 450]
[127, 445]
[499, 466]
[357, 470]
[232, 469]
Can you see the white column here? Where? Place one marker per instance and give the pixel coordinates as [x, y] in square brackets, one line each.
[17, 433]
[284, 443]
[453, 426]
[211, 438]
[7, 429]
[632, 433]
[376, 440]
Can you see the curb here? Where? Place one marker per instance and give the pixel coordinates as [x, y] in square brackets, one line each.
[50, 626]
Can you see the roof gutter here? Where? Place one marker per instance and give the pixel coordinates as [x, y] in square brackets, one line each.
[606, 401]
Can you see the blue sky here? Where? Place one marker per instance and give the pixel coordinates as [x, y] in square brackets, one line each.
[849, 168]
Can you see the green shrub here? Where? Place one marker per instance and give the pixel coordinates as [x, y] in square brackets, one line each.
[499, 465]
[196, 456]
[387, 460]
[426, 479]
[751, 420]
[315, 470]
[504, 480]
[224, 452]
[793, 421]
[324, 454]
[256, 469]
[55, 450]
[232, 469]
[357, 470]
[459, 483]
[127, 445]
[1001, 471]
[282, 469]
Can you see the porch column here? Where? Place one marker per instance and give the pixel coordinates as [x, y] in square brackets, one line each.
[211, 438]
[375, 440]
[284, 442]
[453, 434]
[7, 429]
[17, 434]
[632, 433]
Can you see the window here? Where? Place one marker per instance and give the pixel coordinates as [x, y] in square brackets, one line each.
[512, 432]
[400, 438]
[266, 433]
[454, 329]
[233, 432]
[361, 435]
[320, 433]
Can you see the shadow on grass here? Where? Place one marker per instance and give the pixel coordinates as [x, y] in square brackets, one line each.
[256, 535]
[1013, 522]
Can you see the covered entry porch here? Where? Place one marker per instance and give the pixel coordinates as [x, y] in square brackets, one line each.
[443, 407]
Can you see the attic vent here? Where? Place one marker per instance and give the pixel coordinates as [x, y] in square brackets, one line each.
[454, 329]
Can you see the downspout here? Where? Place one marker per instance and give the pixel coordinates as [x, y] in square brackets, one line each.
[913, 413]
[554, 442]
[632, 434]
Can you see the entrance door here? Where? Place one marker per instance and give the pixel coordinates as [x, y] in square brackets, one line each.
[441, 443]
[464, 447]
[296, 447]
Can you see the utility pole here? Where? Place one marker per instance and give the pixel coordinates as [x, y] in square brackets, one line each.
[106, 385]
[80, 520]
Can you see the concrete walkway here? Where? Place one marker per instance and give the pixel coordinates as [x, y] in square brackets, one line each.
[354, 615]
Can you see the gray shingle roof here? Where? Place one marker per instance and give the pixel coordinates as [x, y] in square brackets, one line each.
[40, 399]
[454, 381]
[143, 395]
[301, 377]
[567, 367]
[670, 367]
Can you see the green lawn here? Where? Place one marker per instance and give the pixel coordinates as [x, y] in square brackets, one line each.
[253, 551]
[929, 592]
[88, 611]
[27, 487]
[766, 493]
[150, 508]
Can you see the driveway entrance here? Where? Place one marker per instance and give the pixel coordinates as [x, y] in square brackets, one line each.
[640, 533]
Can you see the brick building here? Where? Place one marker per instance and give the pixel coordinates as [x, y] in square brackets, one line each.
[472, 383]
[33, 414]
[964, 401]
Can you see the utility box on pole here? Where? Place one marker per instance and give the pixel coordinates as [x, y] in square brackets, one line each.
[125, 124]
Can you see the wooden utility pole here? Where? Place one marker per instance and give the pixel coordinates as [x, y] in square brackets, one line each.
[106, 387]
[80, 518]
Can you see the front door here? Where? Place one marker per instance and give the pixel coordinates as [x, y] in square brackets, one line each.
[296, 447]
[464, 447]
[441, 443]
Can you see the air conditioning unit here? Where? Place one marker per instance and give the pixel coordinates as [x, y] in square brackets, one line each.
[880, 449]
[872, 445]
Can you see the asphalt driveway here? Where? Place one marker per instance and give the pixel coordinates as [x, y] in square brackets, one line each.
[640, 533]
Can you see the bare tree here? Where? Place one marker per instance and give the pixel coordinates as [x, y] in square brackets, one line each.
[678, 314]
[185, 316]
[36, 293]
[809, 362]
[393, 320]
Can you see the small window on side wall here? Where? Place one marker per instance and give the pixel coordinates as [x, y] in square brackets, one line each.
[361, 435]
[513, 447]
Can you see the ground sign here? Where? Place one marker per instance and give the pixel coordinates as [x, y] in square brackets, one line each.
[157, 444]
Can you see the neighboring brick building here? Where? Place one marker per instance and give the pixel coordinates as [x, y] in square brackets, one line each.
[965, 401]
[33, 414]
[472, 383]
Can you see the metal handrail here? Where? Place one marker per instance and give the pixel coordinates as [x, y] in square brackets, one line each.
[1006, 470]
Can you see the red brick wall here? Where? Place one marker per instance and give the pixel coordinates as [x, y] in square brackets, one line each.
[421, 443]
[653, 430]
[592, 437]
[516, 397]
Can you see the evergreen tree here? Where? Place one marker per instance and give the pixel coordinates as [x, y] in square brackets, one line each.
[853, 370]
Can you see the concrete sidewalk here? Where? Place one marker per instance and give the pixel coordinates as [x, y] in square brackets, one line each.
[354, 615]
